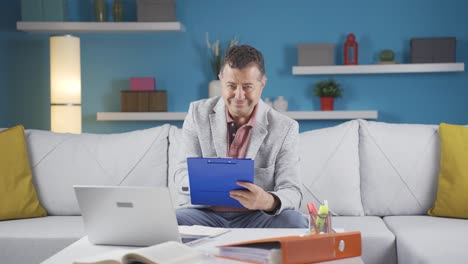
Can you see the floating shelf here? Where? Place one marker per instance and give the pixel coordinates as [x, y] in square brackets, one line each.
[180, 116]
[97, 27]
[332, 115]
[140, 116]
[379, 68]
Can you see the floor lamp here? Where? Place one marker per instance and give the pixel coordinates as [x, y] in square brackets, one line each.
[65, 84]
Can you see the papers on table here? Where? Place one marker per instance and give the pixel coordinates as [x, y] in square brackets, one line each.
[197, 231]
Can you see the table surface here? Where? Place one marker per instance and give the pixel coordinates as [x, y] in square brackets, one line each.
[83, 248]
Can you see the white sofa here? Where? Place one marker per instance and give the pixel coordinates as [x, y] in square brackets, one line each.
[378, 178]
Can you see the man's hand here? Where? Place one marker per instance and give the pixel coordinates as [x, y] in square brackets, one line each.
[255, 198]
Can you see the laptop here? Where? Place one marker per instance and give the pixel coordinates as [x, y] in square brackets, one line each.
[127, 216]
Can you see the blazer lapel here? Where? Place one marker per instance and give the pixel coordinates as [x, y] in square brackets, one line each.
[259, 131]
[218, 128]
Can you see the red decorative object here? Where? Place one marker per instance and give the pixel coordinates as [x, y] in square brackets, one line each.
[326, 103]
[142, 84]
[351, 50]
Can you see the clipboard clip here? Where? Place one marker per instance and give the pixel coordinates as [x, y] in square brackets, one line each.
[221, 161]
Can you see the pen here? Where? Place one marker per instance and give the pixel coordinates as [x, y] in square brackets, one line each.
[313, 214]
[311, 208]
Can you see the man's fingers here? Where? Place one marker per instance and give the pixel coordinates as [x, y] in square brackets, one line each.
[242, 200]
[249, 186]
[239, 193]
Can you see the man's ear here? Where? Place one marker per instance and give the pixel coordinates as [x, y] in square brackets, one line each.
[264, 80]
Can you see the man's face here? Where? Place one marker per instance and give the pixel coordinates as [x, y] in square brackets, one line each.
[242, 89]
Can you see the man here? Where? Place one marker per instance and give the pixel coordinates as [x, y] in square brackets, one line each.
[240, 125]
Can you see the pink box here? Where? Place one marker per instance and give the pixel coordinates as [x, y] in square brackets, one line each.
[142, 84]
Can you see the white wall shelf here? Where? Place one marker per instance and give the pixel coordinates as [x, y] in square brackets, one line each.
[379, 68]
[332, 115]
[180, 116]
[140, 116]
[97, 27]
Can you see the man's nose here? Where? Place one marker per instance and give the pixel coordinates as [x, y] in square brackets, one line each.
[239, 93]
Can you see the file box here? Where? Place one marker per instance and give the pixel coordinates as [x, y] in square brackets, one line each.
[143, 101]
[315, 54]
[156, 10]
[433, 50]
[43, 10]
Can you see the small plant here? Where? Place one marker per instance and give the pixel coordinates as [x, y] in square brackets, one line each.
[216, 55]
[328, 88]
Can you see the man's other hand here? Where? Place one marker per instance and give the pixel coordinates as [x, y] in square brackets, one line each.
[255, 198]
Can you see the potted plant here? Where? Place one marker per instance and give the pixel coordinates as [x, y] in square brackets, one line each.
[216, 57]
[327, 90]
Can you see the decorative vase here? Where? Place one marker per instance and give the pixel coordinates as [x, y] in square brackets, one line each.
[326, 103]
[280, 104]
[214, 88]
[351, 50]
[117, 10]
[268, 101]
[100, 10]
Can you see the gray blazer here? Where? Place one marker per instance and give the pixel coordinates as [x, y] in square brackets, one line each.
[273, 146]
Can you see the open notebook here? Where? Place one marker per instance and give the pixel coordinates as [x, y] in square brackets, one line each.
[170, 252]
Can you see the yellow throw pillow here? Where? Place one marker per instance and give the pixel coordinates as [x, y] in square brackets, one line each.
[18, 198]
[452, 192]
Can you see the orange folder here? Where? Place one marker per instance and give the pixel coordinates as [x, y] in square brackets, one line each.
[305, 248]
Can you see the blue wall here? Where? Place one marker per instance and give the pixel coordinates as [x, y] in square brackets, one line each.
[7, 24]
[179, 60]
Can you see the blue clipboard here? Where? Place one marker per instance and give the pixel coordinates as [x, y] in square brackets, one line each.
[211, 179]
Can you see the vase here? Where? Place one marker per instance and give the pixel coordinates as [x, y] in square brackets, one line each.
[268, 101]
[100, 10]
[280, 104]
[117, 10]
[326, 103]
[214, 88]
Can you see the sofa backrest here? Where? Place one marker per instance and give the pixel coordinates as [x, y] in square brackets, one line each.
[59, 161]
[360, 167]
[329, 168]
[399, 167]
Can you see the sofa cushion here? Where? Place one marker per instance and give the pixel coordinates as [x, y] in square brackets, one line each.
[378, 243]
[61, 160]
[34, 240]
[452, 195]
[18, 198]
[329, 168]
[399, 167]
[426, 239]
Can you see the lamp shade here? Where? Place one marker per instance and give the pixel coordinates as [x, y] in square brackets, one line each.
[65, 84]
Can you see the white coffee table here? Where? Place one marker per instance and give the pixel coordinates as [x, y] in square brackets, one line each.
[83, 248]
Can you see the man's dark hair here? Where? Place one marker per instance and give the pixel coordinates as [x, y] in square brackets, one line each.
[240, 56]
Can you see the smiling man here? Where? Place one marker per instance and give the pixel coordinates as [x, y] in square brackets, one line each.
[240, 125]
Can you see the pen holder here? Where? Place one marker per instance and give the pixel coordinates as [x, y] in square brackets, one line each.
[320, 223]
